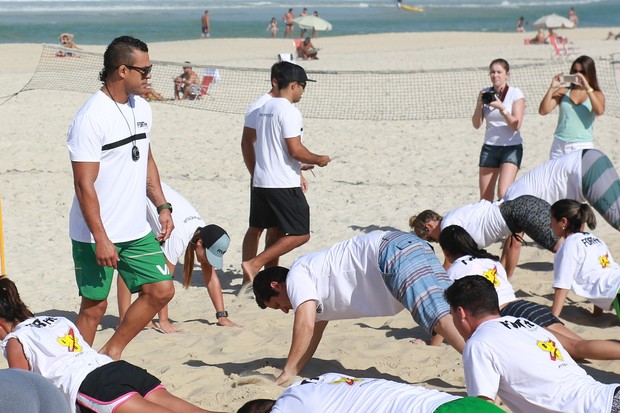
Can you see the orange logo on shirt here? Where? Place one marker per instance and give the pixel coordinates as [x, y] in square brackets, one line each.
[70, 341]
[346, 380]
[491, 275]
[604, 260]
[550, 347]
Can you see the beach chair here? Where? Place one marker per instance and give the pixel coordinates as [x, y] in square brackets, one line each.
[561, 48]
[210, 76]
[297, 44]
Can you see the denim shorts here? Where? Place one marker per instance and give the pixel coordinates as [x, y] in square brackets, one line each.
[492, 156]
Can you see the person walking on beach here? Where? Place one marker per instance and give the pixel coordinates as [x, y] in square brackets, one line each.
[287, 18]
[278, 201]
[248, 139]
[191, 238]
[272, 27]
[206, 25]
[371, 275]
[54, 348]
[519, 361]
[108, 143]
[302, 31]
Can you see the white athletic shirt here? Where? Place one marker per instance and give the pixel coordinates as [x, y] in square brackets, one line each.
[339, 393]
[56, 350]
[498, 133]
[584, 265]
[344, 280]
[482, 220]
[559, 178]
[251, 113]
[489, 269]
[185, 218]
[121, 182]
[529, 369]
[278, 120]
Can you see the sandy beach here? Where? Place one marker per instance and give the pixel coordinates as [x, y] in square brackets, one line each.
[382, 172]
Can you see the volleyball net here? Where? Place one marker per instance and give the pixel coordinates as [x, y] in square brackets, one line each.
[345, 95]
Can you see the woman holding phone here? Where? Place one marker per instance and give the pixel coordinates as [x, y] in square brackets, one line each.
[502, 107]
[580, 100]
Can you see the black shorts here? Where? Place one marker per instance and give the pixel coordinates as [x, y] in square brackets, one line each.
[536, 313]
[109, 383]
[285, 208]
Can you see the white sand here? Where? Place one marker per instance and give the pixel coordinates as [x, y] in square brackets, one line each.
[381, 174]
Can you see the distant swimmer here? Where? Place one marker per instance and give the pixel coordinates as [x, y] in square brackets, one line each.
[399, 3]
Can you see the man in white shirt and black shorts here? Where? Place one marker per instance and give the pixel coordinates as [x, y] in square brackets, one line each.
[278, 201]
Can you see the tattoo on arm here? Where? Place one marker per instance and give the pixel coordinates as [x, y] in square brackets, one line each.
[149, 190]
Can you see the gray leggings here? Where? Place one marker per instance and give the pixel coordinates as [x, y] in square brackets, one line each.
[530, 215]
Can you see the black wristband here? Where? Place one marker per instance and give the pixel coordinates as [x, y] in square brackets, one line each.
[221, 314]
[167, 205]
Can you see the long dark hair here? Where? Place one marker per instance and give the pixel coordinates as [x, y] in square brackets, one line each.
[589, 70]
[576, 214]
[457, 242]
[189, 258]
[12, 308]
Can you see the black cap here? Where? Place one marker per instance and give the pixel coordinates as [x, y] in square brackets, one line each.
[293, 73]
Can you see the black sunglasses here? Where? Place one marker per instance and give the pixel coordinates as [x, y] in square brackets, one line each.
[144, 71]
[302, 84]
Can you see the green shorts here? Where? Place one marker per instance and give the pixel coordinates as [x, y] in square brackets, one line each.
[469, 405]
[141, 262]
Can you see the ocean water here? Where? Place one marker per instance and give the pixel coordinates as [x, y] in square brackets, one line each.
[99, 21]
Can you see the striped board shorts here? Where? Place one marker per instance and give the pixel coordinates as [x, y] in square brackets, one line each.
[600, 185]
[530, 215]
[415, 277]
[536, 313]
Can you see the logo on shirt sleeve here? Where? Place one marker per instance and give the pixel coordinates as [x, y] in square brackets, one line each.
[550, 347]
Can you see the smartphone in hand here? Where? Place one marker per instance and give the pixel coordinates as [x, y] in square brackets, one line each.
[569, 79]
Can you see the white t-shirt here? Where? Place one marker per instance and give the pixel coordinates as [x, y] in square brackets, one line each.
[489, 269]
[339, 393]
[482, 220]
[56, 350]
[121, 182]
[185, 218]
[278, 120]
[529, 369]
[251, 113]
[344, 280]
[498, 133]
[556, 179]
[584, 265]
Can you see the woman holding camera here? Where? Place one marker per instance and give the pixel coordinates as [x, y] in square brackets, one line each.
[503, 108]
[580, 100]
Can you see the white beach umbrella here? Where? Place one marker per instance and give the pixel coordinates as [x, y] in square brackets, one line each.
[553, 21]
[313, 22]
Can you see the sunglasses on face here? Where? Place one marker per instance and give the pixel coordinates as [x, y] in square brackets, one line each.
[144, 71]
[302, 84]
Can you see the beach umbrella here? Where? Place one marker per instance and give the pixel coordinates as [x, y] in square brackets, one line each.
[553, 21]
[313, 22]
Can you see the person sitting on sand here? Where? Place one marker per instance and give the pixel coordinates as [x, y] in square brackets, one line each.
[191, 238]
[151, 94]
[539, 38]
[370, 275]
[187, 84]
[66, 40]
[306, 50]
[611, 35]
[341, 393]
[53, 347]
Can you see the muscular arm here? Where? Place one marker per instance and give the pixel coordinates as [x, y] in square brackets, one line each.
[84, 176]
[15, 355]
[156, 195]
[299, 152]
[303, 341]
[248, 137]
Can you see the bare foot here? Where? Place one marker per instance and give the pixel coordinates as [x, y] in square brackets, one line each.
[249, 272]
[417, 342]
[226, 322]
[168, 328]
